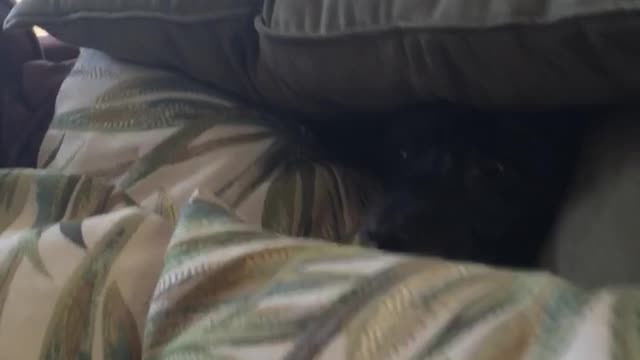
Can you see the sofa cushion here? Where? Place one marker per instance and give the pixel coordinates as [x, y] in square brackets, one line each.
[209, 40]
[326, 54]
[595, 242]
[492, 52]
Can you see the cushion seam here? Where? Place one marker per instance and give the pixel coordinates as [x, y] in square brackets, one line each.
[392, 28]
[128, 15]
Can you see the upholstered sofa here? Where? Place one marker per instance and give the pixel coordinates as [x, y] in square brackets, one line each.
[172, 215]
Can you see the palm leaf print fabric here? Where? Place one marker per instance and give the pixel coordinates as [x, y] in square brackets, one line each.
[166, 222]
[156, 137]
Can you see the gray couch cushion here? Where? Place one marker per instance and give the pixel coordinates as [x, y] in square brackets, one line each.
[368, 54]
[597, 238]
[212, 40]
[377, 53]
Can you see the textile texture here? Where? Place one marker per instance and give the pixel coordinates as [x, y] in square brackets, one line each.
[78, 281]
[166, 222]
[323, 55]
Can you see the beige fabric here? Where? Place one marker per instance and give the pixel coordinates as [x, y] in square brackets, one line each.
[126, 246]
[82, 242]
[73, 285]
[80, 281]
[157, 137]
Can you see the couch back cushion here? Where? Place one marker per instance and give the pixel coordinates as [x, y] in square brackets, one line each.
[208, 40]
[504, 53]
[369, 54]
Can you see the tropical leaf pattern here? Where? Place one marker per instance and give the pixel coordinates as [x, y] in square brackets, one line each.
[157, 137]
[168, 223]
[242, 293]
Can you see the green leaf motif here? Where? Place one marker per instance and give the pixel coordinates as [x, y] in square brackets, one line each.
[191, 351]
[625, 326]
[288, 205]
[54, 153]
[27, 246]
[14, 191]
[8, 266]
[495, 294]
[512, 336]
[316, 335]
[72, 230]
[301, 282]
[329, 220]
[200, 214]
[131, 90]
[53, 193]
[228, 284]
[153, 115]
[165, 207]
[268, 162]
[316, 200]
[65, 161]
[90, 197]
[32, 252]
[178, 148]
[562, 312]
[185, 251]
[253, 327]
[70, 331]
[121, 338]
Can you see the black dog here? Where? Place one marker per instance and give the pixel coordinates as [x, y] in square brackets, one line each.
[462, 183]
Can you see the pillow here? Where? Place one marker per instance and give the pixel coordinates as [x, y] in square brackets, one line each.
[209, 40]
[505, 53]
[319, 55]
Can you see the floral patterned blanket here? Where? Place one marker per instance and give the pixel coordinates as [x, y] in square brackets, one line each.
[166, 222]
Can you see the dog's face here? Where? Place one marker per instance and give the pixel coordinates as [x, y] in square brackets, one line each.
[466, 189]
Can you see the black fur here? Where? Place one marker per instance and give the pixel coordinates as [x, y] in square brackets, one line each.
[463, 183]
